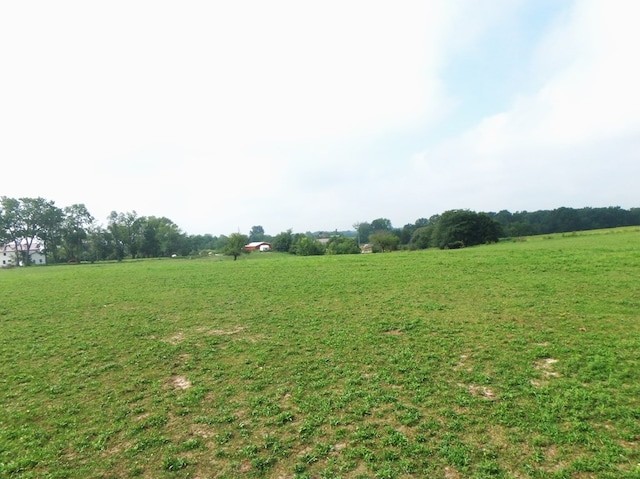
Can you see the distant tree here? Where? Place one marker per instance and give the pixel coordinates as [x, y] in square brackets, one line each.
[421, 237]
[256, 233]
[75, 224]
[283, 241]
[520, 228]
[406, 232]
[28, 220]
[456, 228]
[356, 227]
[363, 231]
[161, 237]
[306, 246]
[202, 242]
[235, 245]
[100, 243]
[384, 241]
[52, 223]
[127, 232]
[221, 243]
[381, 224]
[420, 222]
[342, 245]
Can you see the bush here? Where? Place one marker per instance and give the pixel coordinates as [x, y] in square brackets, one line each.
[343, 245]
[305, 246]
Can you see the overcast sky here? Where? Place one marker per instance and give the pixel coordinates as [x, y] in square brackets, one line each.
[316, 115]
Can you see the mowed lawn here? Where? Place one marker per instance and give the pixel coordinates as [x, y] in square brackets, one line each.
[520, 359]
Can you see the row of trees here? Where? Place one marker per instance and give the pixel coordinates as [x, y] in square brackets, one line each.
[452, 229]
[456, 228]
[72, 234]
[563, 220]
[294, 243]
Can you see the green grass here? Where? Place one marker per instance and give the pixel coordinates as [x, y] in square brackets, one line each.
[520, 359]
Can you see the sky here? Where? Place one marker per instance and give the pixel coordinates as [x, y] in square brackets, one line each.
[318, 115]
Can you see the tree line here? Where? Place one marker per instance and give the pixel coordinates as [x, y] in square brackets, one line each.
[71, 234]
[458, 228]
[563, 220]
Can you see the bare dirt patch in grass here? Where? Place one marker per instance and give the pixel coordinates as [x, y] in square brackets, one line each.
[179, 382]
[451, 473]
[394, 332]
[221, 332]
[186, 357]
[545, 366]
[480, 391]
[201, 430]
[176, 338]
[463, 364]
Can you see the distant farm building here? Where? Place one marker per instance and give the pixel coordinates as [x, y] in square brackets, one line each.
[366, 248]
[11, 255]
[258, 246]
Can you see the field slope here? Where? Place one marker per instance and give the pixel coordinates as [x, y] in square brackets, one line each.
[520, 359]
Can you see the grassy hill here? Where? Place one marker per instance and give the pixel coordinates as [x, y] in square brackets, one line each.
[519, 359]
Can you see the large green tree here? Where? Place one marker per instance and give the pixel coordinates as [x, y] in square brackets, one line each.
[342, 245]
[127, 232]
[381, 224]
[306, 246]
[384, 241]
[283, 241]
[363, 230]
[29, 221]
[77, 220]
[421, 237]
[459, 228]
[202, 242]
[100, 243]
[161, 237]
[256, 233]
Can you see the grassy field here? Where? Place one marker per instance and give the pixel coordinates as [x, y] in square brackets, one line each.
[520, 359]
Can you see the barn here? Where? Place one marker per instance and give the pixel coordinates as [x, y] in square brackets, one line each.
[258, 246]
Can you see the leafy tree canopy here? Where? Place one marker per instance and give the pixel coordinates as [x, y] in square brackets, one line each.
[384, 241]
[235, 245]
[381, 224]
[342, 245]
[283, 241]
[305, 246]
[421, 237]
[256, 233]
[457, 228]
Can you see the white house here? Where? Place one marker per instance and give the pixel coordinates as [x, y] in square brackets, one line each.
[10, 256]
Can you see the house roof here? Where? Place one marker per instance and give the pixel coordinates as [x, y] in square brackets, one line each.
[36, 247]
[255, 244]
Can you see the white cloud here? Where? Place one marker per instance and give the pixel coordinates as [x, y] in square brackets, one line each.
[562, 145]
[222, 115]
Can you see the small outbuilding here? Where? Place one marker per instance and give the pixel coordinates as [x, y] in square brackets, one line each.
[258, 246]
